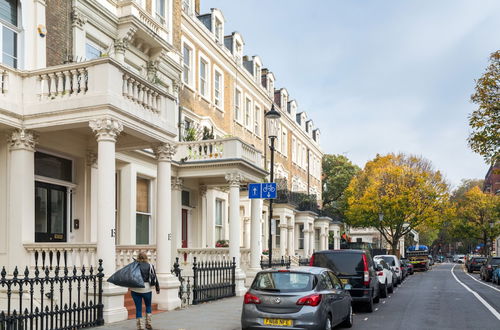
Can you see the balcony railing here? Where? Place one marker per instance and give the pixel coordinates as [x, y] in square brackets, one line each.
[220, 149]
[133, 9]
[86, 85]
[301, 200]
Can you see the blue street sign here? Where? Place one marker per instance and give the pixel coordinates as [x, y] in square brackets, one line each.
[266, 190]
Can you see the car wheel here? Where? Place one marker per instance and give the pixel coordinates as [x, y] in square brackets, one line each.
[369, 306]
[349, 320]
[328, 323]
[391, 288]
[377, 298]
[383, 290]
[469, 270]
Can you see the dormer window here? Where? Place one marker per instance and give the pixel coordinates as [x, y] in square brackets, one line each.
[284, 101]
[238, 51]
[218, 31]
[271, 87]
[258, 74]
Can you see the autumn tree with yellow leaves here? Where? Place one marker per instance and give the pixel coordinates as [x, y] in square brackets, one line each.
[405, 189]
[477, 216]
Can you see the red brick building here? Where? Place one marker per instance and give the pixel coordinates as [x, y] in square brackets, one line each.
[492, 180]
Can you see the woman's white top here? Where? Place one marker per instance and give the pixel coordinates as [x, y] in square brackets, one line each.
[146, 289]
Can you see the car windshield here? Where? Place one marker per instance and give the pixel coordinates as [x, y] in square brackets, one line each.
[284, 282]
[495, 261]
[389, 260]
[343, 264]
[479, 259]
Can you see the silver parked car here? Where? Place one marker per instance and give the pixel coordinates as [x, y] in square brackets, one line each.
[297, 298]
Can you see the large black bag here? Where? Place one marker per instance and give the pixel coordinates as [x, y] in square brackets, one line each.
[129, 276]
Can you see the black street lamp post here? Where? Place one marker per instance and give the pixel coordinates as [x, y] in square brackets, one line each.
[272, 122]
[380, 218]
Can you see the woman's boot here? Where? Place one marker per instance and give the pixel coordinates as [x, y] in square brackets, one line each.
[139, 324]
[148, 322]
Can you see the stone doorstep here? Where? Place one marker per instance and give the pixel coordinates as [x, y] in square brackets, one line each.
[130, 306]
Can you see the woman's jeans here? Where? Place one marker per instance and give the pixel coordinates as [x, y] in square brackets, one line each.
[138, 297]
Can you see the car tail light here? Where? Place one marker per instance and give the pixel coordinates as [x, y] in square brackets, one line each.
[380, 273]
[283, 271]
[366, 273]
[311, 300]
[489, 266]
[311, 261]
[251, 299]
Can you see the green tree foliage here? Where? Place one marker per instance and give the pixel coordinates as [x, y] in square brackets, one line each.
[485, 121]
[338, 171]
[405, 189]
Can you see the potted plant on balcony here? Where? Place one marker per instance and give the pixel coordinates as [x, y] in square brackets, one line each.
[222, 243]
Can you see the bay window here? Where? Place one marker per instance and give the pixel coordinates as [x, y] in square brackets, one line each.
[9, 32]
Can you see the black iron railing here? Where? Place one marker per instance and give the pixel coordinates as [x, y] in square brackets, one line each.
[185, 286]
[283, 262]
[58, 297]
[303, 261]
[301, 200]
[213, 280]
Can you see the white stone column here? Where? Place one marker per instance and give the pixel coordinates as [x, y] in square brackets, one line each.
[209, 220]
[322, 236]
[176, 216]
[234, 180]
[128, 204]
[107, 130]
[168, 298]
[78, 24]
[306, 240]
[256, 233]
[20, 196]
[246, 233]
[92, 163]
[203, 215]
[291, 239]
[283, 236]
[311, 239]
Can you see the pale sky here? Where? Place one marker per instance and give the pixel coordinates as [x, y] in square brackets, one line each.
[377, 76]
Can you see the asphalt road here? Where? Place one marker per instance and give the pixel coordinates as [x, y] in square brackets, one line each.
[436, 300]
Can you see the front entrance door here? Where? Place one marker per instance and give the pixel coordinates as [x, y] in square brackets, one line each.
[50, 212]
[184, 228]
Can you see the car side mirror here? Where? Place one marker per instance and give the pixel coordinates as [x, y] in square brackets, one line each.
[347, 287]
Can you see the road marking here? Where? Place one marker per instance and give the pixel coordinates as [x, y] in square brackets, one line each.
[376, 309]
[366, 319]
[484, 302]
[478, 281]
[383, 301]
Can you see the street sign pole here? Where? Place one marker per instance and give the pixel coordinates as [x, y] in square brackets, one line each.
[270, 240]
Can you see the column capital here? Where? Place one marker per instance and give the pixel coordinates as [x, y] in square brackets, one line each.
[78, 19]
[91, 159]
[203, 190]
[177, 183]
[290, 227]
[106, 129]
[234, 179]
[164, 152]
[22, 139]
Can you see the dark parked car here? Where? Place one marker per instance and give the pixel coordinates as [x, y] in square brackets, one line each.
[298, 298]
[475, 263]
[354, 267]
[407, 266]
[486, 271]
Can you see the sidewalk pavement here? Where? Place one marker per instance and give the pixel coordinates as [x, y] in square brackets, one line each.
[224, 314]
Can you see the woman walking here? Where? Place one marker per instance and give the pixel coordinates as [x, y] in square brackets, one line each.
[139, 294]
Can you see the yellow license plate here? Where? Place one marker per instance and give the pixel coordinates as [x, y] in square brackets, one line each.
[278, 322]
[344, 280]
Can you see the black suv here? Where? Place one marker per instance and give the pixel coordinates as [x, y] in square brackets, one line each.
[354, 267]
[486, 271]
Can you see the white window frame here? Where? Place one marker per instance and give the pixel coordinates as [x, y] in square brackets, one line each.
[93, 44]
[256, 120]
[294, 149]
[284, 142]
[219, 227]
[238, 111]
[191, 66]
[150, 207]
[219, 101]
[162, 17]
[218, 33]
[206, 94]
[258, 74]
[17, 30]
[247, 120]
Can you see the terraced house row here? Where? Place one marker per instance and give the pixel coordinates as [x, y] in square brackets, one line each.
[136, 125]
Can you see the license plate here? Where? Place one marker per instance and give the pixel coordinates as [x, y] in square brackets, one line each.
[278, 322]
[344, 280]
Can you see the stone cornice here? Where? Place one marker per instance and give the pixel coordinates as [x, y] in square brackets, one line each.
[22, 139]
[106, 128]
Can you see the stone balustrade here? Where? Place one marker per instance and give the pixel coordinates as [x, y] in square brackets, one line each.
[125, 254]
[187, 255]
[92, 84]
[130, 8]
[219, 149]
[77, 253]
